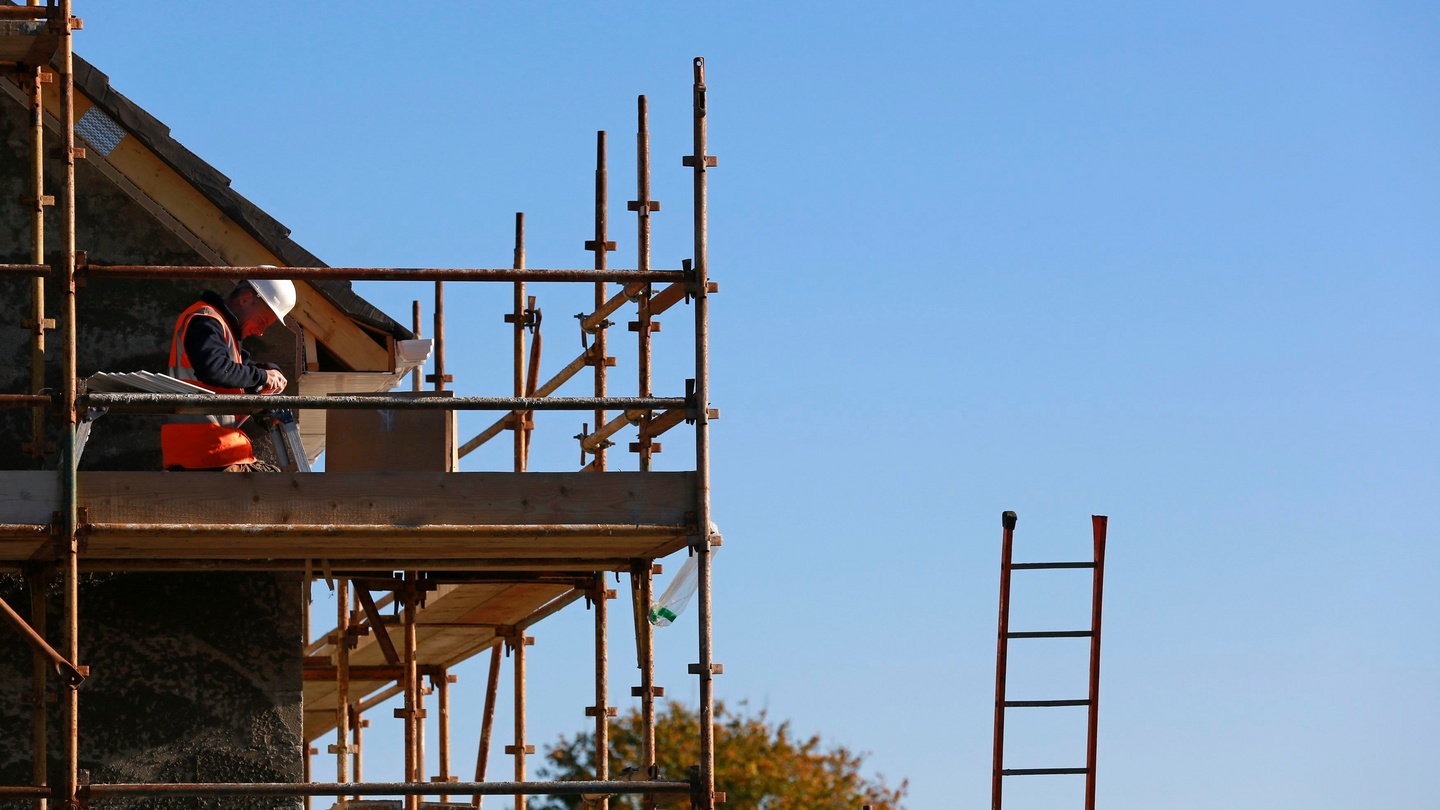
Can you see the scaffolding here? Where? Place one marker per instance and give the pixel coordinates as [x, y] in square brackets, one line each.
[473, 532]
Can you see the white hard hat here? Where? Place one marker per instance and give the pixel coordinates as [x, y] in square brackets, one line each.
[279, 294]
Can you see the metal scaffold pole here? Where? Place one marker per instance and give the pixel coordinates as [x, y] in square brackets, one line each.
[69, 460]
[705, 669]
[601, 247]
[642, 573]
[37, 323]
[341, 641]
[518, 641]
[517, 317]
[487, 719]
[440, 378]
[643, 207]
[411, 711]
[440, 682]
[601, 710]
[415, 384]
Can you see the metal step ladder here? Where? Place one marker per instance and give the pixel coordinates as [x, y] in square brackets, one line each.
[1092, 702]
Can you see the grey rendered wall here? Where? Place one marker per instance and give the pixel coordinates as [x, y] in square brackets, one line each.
[195, 677]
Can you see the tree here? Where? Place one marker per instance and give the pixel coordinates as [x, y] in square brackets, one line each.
[759, 765]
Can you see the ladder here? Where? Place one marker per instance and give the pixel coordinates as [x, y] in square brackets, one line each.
[1092, 702]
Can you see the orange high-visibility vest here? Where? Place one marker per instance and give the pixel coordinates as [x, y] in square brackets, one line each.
[202, 442]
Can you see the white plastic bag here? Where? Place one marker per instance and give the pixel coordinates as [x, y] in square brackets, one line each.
[672, 602]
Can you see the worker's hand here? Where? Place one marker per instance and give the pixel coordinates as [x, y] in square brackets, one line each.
[274, 382]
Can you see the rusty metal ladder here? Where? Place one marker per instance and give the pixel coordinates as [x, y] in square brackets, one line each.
[1092, 702]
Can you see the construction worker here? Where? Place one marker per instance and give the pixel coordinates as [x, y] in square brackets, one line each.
[205, 351]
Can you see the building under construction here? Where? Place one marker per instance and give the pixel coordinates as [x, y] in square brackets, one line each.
[159, 621]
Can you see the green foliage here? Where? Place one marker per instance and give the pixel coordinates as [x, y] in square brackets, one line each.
[758, 765]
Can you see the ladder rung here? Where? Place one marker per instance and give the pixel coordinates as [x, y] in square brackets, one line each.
[1042, 771]
[1017, 704]
[1051, 634]
[1038, 566]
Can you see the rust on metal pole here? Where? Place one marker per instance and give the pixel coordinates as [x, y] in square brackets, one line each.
[415, 384]
[22, 400]
[411, 711]
[441, 681]
[1098, 526]
[626, 294]
[224, 403]
[69, 460]
[39, 746]
[520, 748]
[341, 748]
[518, 318]
[420, 693]
[37, 322]
[601, 710]
[1007, 522]
[439, 377]
[235, 272]
[705, 669]
[643, 207]
[601, 247]
[67, 671]
[487, 719]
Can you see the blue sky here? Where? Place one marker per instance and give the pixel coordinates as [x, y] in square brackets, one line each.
[1173, 263]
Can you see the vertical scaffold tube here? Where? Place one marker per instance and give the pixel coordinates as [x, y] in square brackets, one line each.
[487, 721]
[600, 246]
[69, 517]
[341, 748]
[519, 749]
[642, 572]
[705, 667]
[439, 378]
[415, 384]
[442, 702]
[643, 207]
[518, 316]
[412, 689]
[602, 685]
[37, 255]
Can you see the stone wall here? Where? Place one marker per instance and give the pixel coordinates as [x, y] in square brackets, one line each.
[195, 677]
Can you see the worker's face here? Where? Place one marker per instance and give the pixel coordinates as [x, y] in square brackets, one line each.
[256, 316]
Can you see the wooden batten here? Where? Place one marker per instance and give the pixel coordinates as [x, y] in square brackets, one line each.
[186, 211]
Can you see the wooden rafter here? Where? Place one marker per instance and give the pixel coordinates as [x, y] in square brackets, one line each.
[185, 211]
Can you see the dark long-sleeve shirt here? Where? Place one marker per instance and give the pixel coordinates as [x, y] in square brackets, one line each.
[210, 354]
